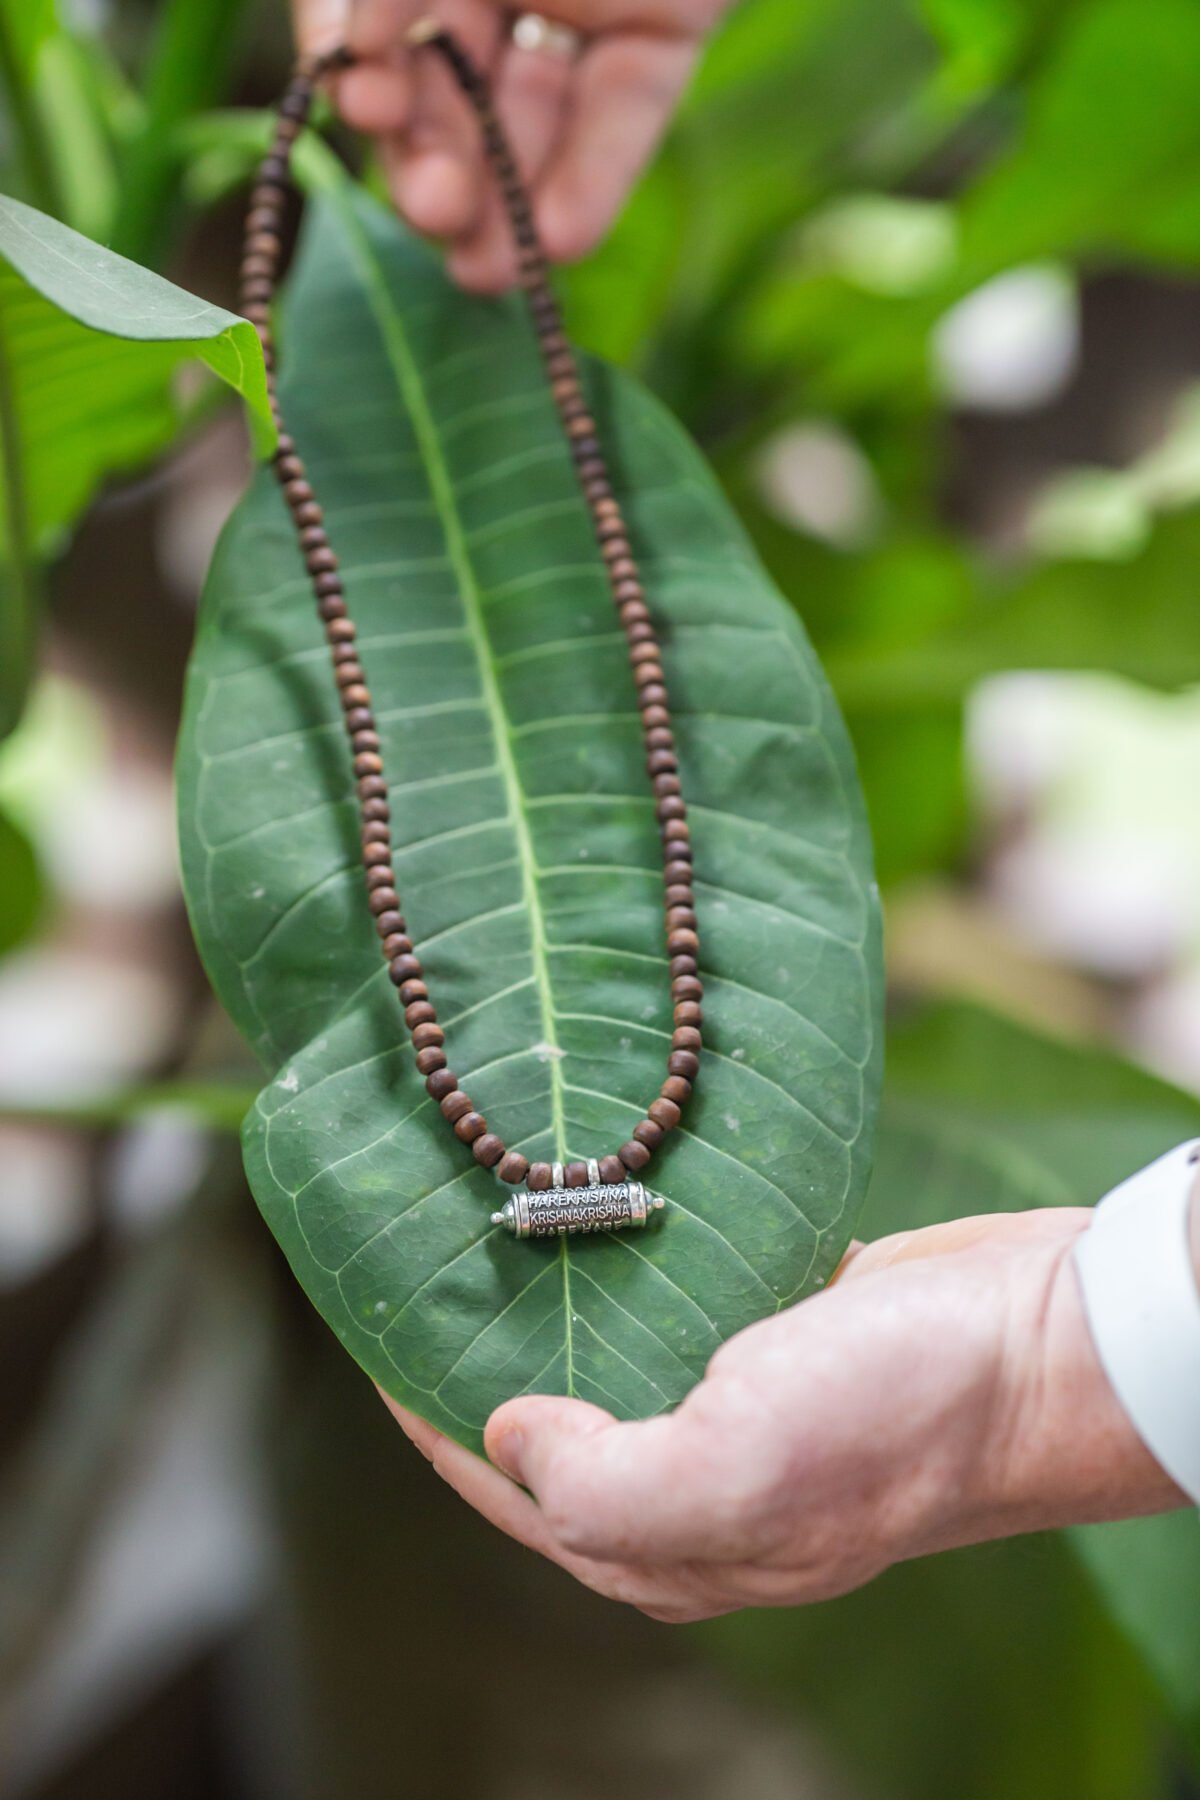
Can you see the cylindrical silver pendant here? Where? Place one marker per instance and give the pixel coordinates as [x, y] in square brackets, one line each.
[565, 1211]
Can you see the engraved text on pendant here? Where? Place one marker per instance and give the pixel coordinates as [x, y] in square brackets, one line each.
[560, 1211]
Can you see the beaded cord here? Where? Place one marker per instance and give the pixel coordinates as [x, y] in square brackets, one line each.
[259, 272]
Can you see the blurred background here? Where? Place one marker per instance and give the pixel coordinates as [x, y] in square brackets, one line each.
[923, 278]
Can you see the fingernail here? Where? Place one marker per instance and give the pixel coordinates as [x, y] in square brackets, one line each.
[507, 1454]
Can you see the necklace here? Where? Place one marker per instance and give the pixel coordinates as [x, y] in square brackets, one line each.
[597, 1194]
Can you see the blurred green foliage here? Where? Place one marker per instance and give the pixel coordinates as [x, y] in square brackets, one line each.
[842, 175]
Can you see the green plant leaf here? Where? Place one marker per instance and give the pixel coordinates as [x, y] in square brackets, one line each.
[527, 858]
[21, 891]
[1071, 615]
[984, 1116]
[89, 347]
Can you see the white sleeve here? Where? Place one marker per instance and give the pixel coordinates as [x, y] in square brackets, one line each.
[1143, 1307]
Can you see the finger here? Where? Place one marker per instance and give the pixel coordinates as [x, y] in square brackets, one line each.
[375, 98]
[660, 1491]
[503, 1504]
[436, 167]
[530, 87]
[320, 25]
[626, 88]
[953, 1235]
[853, 1251]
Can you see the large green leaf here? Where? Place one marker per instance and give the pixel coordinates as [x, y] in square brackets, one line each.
[983, 1116]
[527, 856]
[89, 346]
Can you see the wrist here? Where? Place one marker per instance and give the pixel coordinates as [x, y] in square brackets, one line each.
[1081, 1459]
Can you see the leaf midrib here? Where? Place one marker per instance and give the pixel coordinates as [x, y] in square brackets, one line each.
[412, 390]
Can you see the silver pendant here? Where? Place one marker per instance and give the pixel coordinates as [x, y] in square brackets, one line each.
[561, 1211]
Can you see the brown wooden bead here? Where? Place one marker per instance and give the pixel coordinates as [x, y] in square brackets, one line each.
[377, 853]
[488, 1149]
[377, 808]
[388, 923]
[660, 737]
[612, 1169]
[688, 1012]
[368, 762]
[679, 894]
[686, 1037]
[655, 715]
[333, 606]
[428, 1036]
[575, 1174]
[661, 762]
[430, 1059]
[365, 741]
[339, 629]
[514, 1167]
[681, 916]
[678, 869]
[671, 809]
[471, 1126]
[378, 877]
[681, 965]
[383, 900]
[419, 1012]
[348, 672]
[540, 1176]
[375, 831]
[634, 1155]
[665, 1113]
[413, 991]
[359, 718]
[441, 1083]
[676, 1088]
[666, 784]
[360, 695]
[403, 968]
[455, 1105]
[397, 945]
[683, 941]
[328, 585]
[687, 987]
[372, 787]
[648, 1133]
[683, 1062]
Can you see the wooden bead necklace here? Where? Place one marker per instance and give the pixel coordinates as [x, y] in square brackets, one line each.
[599, 1194]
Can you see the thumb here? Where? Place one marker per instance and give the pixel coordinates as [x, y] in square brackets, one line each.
[520, 1432]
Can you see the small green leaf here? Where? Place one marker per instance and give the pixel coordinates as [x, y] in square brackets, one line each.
[528, 859]
[21, 892]
[89, 346]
